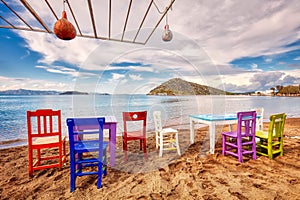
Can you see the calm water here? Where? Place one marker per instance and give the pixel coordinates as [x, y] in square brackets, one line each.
[175, 110]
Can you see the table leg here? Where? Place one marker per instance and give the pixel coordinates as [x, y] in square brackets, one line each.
[112, 143]
[212, 135]
[192, 130]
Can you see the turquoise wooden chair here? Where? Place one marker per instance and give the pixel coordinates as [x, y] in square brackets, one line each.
[87, 149]
[271, 142]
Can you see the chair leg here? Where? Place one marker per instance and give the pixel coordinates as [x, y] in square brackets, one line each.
[253, 148]
[161, 145]
[281, 146]
[60, 156]
[156, 139]
[100, 165]
[270, 150]
[177, 144]
[223, 145]
[105, 163]
[72, 172]
[30, 162]
[125, 149]
[239, 149]
[145, 148]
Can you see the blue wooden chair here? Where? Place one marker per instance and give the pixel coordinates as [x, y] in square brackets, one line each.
[241, 141]
[87, 149]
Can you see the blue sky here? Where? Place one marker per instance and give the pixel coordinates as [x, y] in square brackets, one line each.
[237, 46]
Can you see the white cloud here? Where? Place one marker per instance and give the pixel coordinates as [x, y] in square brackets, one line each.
[298, 58]
[66, 71]
[116, 76]
[234, 29]
[135, 77]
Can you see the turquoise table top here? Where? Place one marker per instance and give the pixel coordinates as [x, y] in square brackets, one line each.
[215, 117]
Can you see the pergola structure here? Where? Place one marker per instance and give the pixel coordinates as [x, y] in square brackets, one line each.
[26, 15]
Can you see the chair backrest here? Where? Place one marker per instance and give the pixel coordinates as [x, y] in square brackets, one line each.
[44, 123]
[157, 121]
[92, 127]
[260, 120]
[276, 128]
[246, 123]
[135, 117]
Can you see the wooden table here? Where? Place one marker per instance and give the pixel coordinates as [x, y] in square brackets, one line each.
[211, 120]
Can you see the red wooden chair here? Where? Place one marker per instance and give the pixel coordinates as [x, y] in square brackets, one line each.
[44, 132]
[130, 118]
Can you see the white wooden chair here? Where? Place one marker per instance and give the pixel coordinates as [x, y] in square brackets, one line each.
[259, 121]
[166, 138]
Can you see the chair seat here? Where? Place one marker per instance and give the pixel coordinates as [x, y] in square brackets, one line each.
[168, 130]
[234, 134]
[86, 146]
[47, 140]
[262, 134]
[135, 134]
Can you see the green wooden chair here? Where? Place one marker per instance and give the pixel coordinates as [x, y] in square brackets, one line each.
[271, 142]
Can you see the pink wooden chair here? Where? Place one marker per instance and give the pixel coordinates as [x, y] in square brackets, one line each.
[241, 141]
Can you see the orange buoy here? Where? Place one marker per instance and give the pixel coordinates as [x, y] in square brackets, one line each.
[64, 29]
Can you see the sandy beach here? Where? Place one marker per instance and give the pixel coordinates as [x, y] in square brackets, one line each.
[193, 175]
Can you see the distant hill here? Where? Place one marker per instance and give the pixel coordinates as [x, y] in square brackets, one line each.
[42, 92]
[73, 93]
[28, 92]
[177, 86]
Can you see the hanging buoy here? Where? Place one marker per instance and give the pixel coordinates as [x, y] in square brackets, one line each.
[64, 29]
[167, 34]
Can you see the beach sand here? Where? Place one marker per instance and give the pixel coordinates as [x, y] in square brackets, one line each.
[193, 175]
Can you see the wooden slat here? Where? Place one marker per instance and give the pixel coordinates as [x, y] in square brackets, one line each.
[109, 19]
[16, 14]
[92, 17]
[51, 9]
[143, 20]
[12, 26]
[128, 11]
[37, 17]
[71, 10]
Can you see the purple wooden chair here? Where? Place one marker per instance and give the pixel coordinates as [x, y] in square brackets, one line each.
[241, 141]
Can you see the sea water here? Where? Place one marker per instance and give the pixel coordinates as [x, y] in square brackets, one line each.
[175, 109]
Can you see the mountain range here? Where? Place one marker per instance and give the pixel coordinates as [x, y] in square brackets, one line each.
[43, 92]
